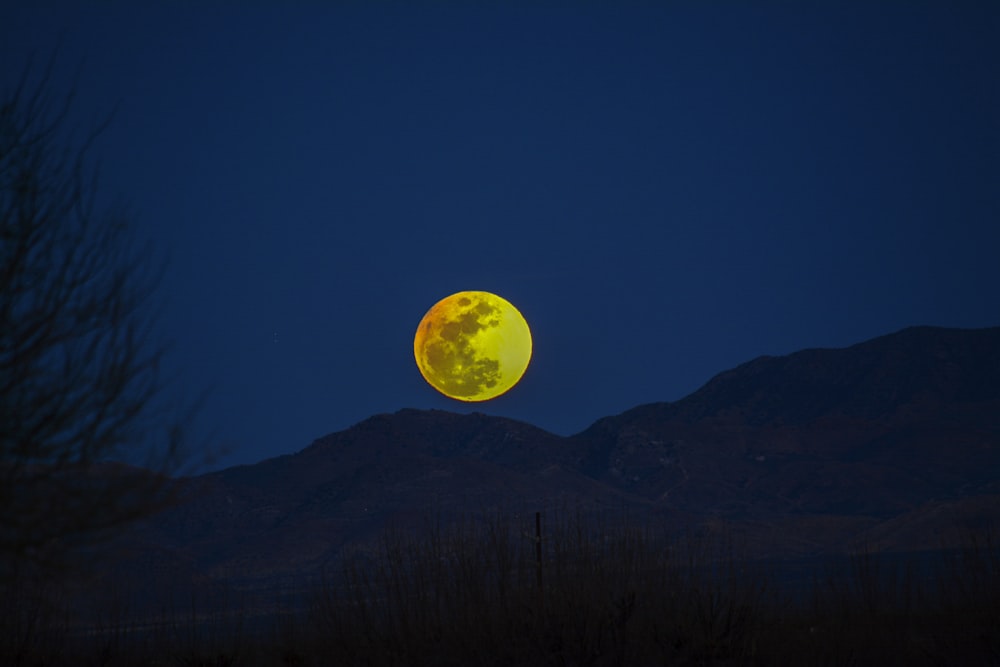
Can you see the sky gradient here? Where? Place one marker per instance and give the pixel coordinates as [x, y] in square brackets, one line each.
[663, 192]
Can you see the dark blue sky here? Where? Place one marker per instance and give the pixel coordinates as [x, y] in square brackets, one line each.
[664, 192]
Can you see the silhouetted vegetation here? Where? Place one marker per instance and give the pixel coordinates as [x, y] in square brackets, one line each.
[79, 377]
[612, 593]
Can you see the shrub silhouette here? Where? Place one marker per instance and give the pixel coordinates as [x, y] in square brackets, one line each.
[614, 593]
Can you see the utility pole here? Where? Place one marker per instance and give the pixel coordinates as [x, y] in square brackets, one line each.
[538, 552]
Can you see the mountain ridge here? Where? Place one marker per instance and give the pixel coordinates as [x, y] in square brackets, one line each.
[893, 439]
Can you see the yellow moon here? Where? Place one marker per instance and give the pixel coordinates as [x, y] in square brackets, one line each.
[472, 346]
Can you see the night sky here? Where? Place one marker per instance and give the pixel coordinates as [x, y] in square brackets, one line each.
[664, 192]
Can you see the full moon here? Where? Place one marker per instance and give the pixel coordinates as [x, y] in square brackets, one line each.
[472, 346]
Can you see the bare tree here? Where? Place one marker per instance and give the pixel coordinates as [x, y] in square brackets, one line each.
[79, 379]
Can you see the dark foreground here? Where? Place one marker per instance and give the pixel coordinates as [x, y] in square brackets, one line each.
[601, 593]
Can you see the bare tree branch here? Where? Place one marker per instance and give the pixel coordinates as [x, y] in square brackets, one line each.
[79, 378]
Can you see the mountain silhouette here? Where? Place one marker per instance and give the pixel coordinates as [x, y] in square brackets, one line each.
[894, 442]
